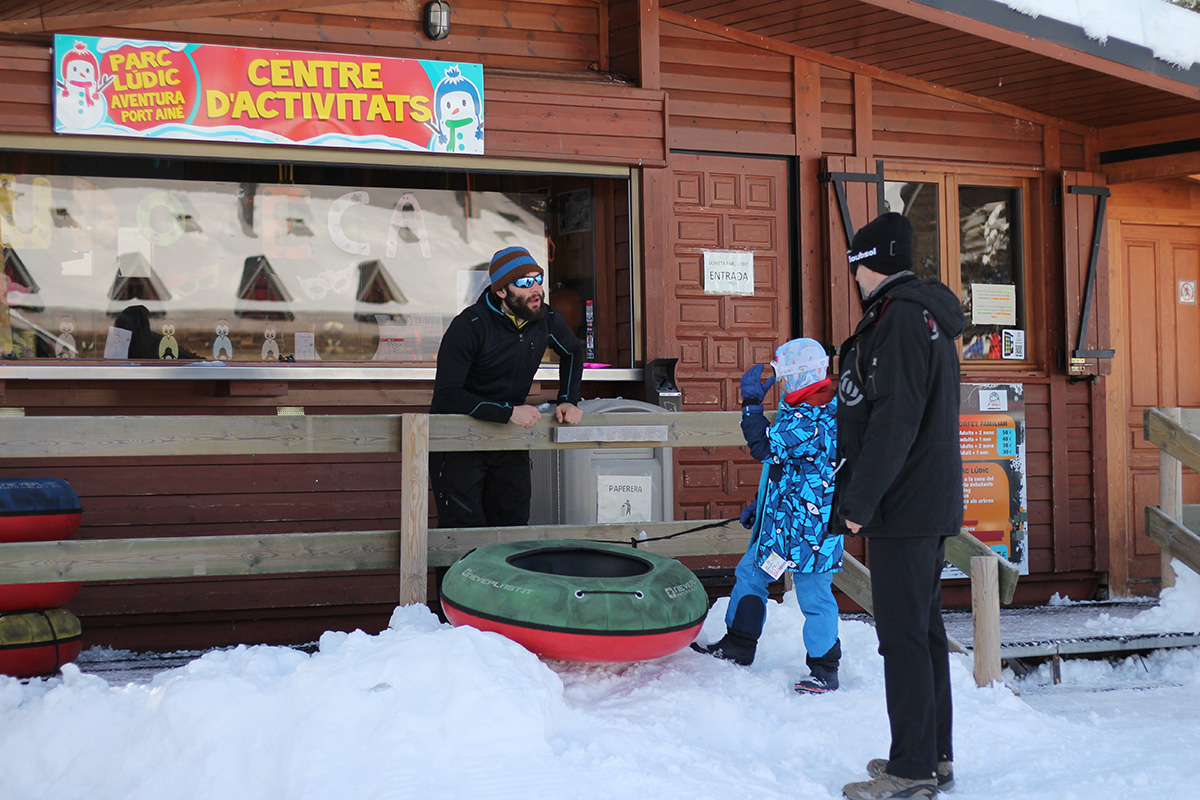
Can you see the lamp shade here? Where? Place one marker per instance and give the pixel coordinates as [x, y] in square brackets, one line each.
[437, 19]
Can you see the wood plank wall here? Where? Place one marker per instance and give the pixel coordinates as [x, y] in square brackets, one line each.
[542, 70]
[908, 126]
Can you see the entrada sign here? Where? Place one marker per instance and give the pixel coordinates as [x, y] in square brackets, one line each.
[165, 90]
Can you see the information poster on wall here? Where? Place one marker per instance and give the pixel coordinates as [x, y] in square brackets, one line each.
[992, 440]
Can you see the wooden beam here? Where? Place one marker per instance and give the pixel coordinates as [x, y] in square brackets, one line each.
[1176, 440]
[1173, 537]
[962, 549]
[414, 510]
[985, 617]
[192, 556]
[1181, 165]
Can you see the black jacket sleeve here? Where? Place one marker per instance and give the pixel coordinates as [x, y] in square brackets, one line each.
[460, 347]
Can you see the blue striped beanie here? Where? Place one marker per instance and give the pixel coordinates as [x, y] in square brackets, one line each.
[509, 264]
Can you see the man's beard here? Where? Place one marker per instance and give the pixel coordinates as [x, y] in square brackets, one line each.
[519, 306]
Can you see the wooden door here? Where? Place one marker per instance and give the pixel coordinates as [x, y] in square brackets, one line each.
[722, 203]
[1161, 337]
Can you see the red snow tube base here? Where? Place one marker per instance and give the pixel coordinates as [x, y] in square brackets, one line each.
[37, 510]
[35, 643]
[577, 600]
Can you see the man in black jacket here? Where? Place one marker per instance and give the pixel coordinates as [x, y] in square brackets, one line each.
[900, 485]
[485, 368]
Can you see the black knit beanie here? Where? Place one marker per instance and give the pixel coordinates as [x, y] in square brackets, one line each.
[883, 245]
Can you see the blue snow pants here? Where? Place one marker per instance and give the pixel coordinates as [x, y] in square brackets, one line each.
[814, 593]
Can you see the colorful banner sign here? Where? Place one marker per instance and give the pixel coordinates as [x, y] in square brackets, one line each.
[163, 90]
[992, 441]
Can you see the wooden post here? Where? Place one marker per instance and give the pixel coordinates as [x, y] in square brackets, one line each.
[1170, 494]
[985, 613]
[414, 511]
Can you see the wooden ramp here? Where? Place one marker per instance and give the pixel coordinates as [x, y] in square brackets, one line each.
[1077, 630]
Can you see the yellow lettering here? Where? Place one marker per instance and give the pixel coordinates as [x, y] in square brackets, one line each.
[370, 76]
[348, 76]
[281, 73]
[324, 103]
[351, 103]
[253, 73]
[398, 101]
[378, 108]
[243, 103]
[116, 60]
[325, 68]
[305, 75]
[261, 106]
[420, 108]
[289, 99]
[217, 103]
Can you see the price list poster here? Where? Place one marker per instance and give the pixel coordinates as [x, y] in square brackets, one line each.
[992, 440]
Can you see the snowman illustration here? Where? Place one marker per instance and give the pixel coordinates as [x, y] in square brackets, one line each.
[80, 102]
[270, 349]
[222, 343]
[458, 114]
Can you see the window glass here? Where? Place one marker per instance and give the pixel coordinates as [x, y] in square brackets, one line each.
[992, 288]
[143, 260]
[919, 202]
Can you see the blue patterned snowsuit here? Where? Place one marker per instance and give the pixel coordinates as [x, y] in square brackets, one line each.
[792, 515]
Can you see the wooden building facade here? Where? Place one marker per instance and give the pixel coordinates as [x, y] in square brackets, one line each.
[691, 126]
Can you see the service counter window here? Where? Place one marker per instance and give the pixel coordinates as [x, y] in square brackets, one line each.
[969, 231]
[145, 259]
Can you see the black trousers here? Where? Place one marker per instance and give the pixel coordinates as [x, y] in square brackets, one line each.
[481, 490]
[906, 589]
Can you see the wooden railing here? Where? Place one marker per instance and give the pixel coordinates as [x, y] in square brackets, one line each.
[414, 548]
[1171, 524]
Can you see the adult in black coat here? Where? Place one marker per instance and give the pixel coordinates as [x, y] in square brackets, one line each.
[900, 485]
[486, 363]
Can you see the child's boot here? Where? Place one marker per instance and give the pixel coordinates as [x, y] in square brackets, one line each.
[741, 637]
[824, 671]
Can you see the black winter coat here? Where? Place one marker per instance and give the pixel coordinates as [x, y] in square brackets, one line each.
[486, 364]
[898, 406]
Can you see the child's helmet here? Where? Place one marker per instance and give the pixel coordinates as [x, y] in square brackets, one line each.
[800, 363]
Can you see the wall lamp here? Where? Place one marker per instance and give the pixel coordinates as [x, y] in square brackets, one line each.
[437, 19]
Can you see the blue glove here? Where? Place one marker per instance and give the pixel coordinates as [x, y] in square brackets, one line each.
[747, 516]
[754, 388]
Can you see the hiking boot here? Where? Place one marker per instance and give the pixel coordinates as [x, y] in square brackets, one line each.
[734, 646]
[887, 786]
[945, 772]
[824, 671]
[816, 684]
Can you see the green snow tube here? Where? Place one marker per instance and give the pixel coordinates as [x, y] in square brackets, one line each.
[577, 601]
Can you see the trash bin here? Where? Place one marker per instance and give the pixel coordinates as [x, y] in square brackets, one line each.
[602, 485]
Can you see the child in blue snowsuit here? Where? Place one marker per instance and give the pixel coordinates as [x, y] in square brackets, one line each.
[790, 515]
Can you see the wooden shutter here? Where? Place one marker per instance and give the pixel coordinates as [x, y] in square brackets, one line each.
[1085, 263]
[854, 196]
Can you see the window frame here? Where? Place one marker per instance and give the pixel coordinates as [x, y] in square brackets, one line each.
[948, 180]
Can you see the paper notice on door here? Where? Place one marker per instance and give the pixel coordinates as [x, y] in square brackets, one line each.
[993, 304]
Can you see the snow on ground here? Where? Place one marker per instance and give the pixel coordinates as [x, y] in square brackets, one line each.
[425, 710]
[1170, 32]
